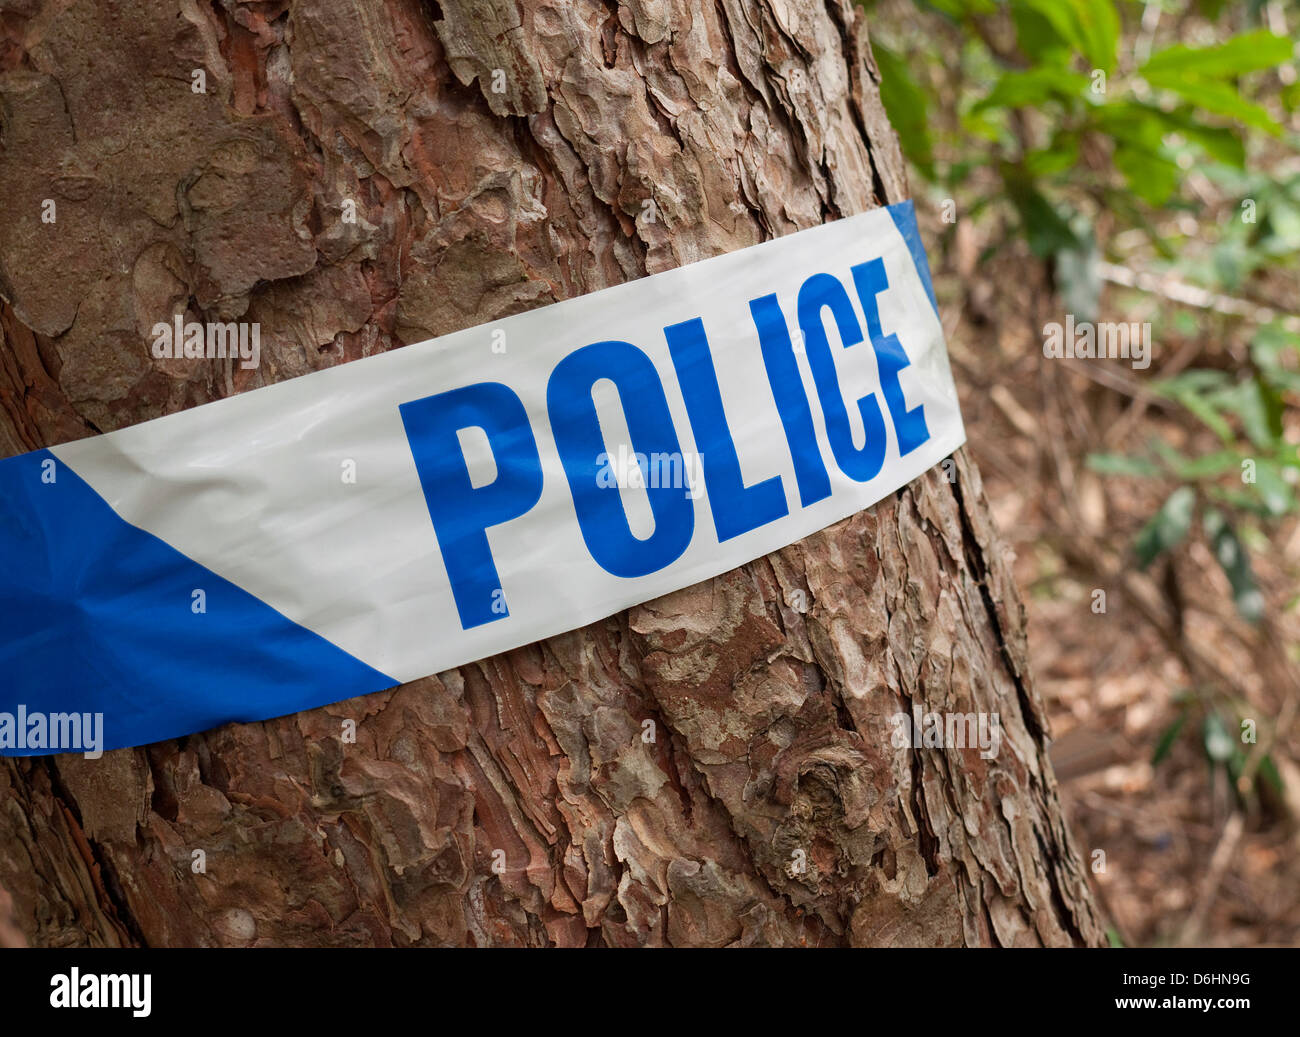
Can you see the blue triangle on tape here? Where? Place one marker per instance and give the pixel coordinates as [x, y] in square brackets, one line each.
[904, 217]
[98, 616]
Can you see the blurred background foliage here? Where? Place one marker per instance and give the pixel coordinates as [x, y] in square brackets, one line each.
[1129, 161]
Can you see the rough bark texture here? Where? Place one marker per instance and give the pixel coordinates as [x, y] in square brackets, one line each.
[742, 120]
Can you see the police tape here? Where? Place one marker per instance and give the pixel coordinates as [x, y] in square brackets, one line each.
[394, 517]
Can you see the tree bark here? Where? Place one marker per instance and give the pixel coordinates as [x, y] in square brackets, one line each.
[500, 154]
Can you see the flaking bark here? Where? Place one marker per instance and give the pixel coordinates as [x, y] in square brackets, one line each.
[480, 195]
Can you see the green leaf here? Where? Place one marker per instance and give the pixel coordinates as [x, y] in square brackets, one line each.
[1090, 27]
[1276, 495]
[1167, 738]
[1244, 53]
[1207, 465]
[1037, 37]
[1207, 413]
[1140, 153]
[1268, 772]
[1023, 88]
[1061, 154]
[1235, 764]
[1220, 143]
[958, 9]
[1273, 345]
[1195, 380]
[907, 107]
[1046, 230]
[1078, 275]
[1219, 98]
[1219, 744]
[1290, 95]
[1200, 391]
[1098, 31]
[1152, 176]
[1258, 408]
[1058, 16]
[1280, 229]
[1167, 528]
[1235, 563]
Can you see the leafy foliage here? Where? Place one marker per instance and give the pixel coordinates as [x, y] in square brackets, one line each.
[1081, 115]
[1071, 123]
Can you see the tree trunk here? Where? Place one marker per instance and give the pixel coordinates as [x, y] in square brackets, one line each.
[499, 154]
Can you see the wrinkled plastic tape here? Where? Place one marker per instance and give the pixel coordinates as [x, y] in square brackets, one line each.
[407, 513]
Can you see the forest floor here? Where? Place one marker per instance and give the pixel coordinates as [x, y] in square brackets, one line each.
[1186, 862]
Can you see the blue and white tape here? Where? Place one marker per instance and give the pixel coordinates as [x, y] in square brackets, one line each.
[377, 522]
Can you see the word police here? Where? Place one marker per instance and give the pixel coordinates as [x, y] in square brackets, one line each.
[462, 512]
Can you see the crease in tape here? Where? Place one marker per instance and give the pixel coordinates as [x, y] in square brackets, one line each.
[403, 514]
